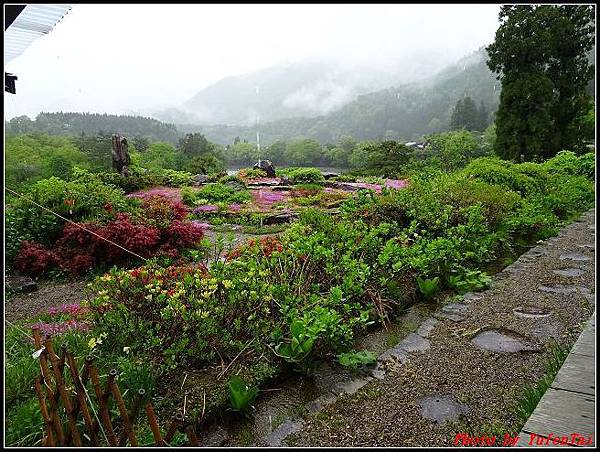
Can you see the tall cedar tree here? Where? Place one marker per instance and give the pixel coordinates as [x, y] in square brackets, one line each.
[540, 56]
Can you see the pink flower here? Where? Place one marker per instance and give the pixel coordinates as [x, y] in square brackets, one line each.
[206, 208]
[395, 183]
[172, 193]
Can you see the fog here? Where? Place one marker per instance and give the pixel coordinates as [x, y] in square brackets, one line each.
[143, 58]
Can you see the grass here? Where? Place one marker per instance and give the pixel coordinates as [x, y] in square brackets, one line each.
[532, 394]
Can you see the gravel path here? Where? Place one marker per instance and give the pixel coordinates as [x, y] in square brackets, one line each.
[455, 376]
[23, 306]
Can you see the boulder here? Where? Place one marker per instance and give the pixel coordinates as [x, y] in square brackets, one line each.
[266, 166]
[22, 284]
[330, 175]
[200, 178]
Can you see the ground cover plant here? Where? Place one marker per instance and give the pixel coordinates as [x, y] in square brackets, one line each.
[281, 304]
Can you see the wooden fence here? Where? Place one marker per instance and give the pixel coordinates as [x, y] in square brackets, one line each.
[89, 423]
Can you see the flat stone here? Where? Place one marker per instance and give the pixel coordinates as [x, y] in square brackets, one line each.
[414, 343]
[320, 402]
[275, 438]
[445, 315]
[378, 373]
[574, 257]
[502, 341]
[20, 284]
[440, 409]
[559, 288]
[426, 327]
[350, 387]
[397, 353]
[531, 312]
[569, 272]
[456, 308]
[470, 296]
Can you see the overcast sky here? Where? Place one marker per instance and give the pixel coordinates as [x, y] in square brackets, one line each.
[126, 58]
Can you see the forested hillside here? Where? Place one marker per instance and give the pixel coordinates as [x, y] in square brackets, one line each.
[93, 124]
[405, 112]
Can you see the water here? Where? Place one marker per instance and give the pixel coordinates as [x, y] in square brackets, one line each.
[231, 171]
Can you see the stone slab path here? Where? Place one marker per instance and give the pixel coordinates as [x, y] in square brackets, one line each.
[568, 407]
[461, 380]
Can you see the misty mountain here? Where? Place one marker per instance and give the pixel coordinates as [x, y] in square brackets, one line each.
[406, 111]
[307, 88]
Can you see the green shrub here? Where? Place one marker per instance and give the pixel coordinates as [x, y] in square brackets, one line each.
[189, 196]
[305, 176]
[251, 173]
[505, 174]
[223, 193]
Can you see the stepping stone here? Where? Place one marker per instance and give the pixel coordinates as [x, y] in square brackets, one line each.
[426, 327]
[397, 353]
[574, 257]
[591, 247]
[470, 296]
[440, 409]
[275, 438]
[414, 343]
[569, 272]
[502, 341]
[350, 387]
[456, 308]
[559, 288]
[378, 372]
[445, 315]
[531, 312]
[320, 402]
[453, 311]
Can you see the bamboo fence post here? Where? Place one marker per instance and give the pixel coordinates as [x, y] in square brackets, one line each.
[104, 415]
[47, 419]
[47, 381]
[175, 425]
[121, 405]
[158, 440]
[81, 403]
[60, 383]
[191, 434]
[133, 414]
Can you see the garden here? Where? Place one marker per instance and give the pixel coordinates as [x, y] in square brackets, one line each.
[330, 260]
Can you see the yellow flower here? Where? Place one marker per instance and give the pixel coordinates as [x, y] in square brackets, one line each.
[227, 284]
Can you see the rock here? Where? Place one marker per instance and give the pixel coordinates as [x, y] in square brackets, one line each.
[280, 218]
[266, 166]
[439, 409]
[282, 188]
[330, 175]
[22, 284]
[503, 341]
[200, 178]
[285, 180]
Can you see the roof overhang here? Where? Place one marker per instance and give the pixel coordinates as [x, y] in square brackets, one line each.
[23, 24]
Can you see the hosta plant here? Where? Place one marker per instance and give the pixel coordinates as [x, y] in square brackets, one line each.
[428, 287]
[241, 394]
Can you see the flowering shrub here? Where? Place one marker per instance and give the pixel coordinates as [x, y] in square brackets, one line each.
[160, 211]
[33, 258]
[183, 234]
[159, 229]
